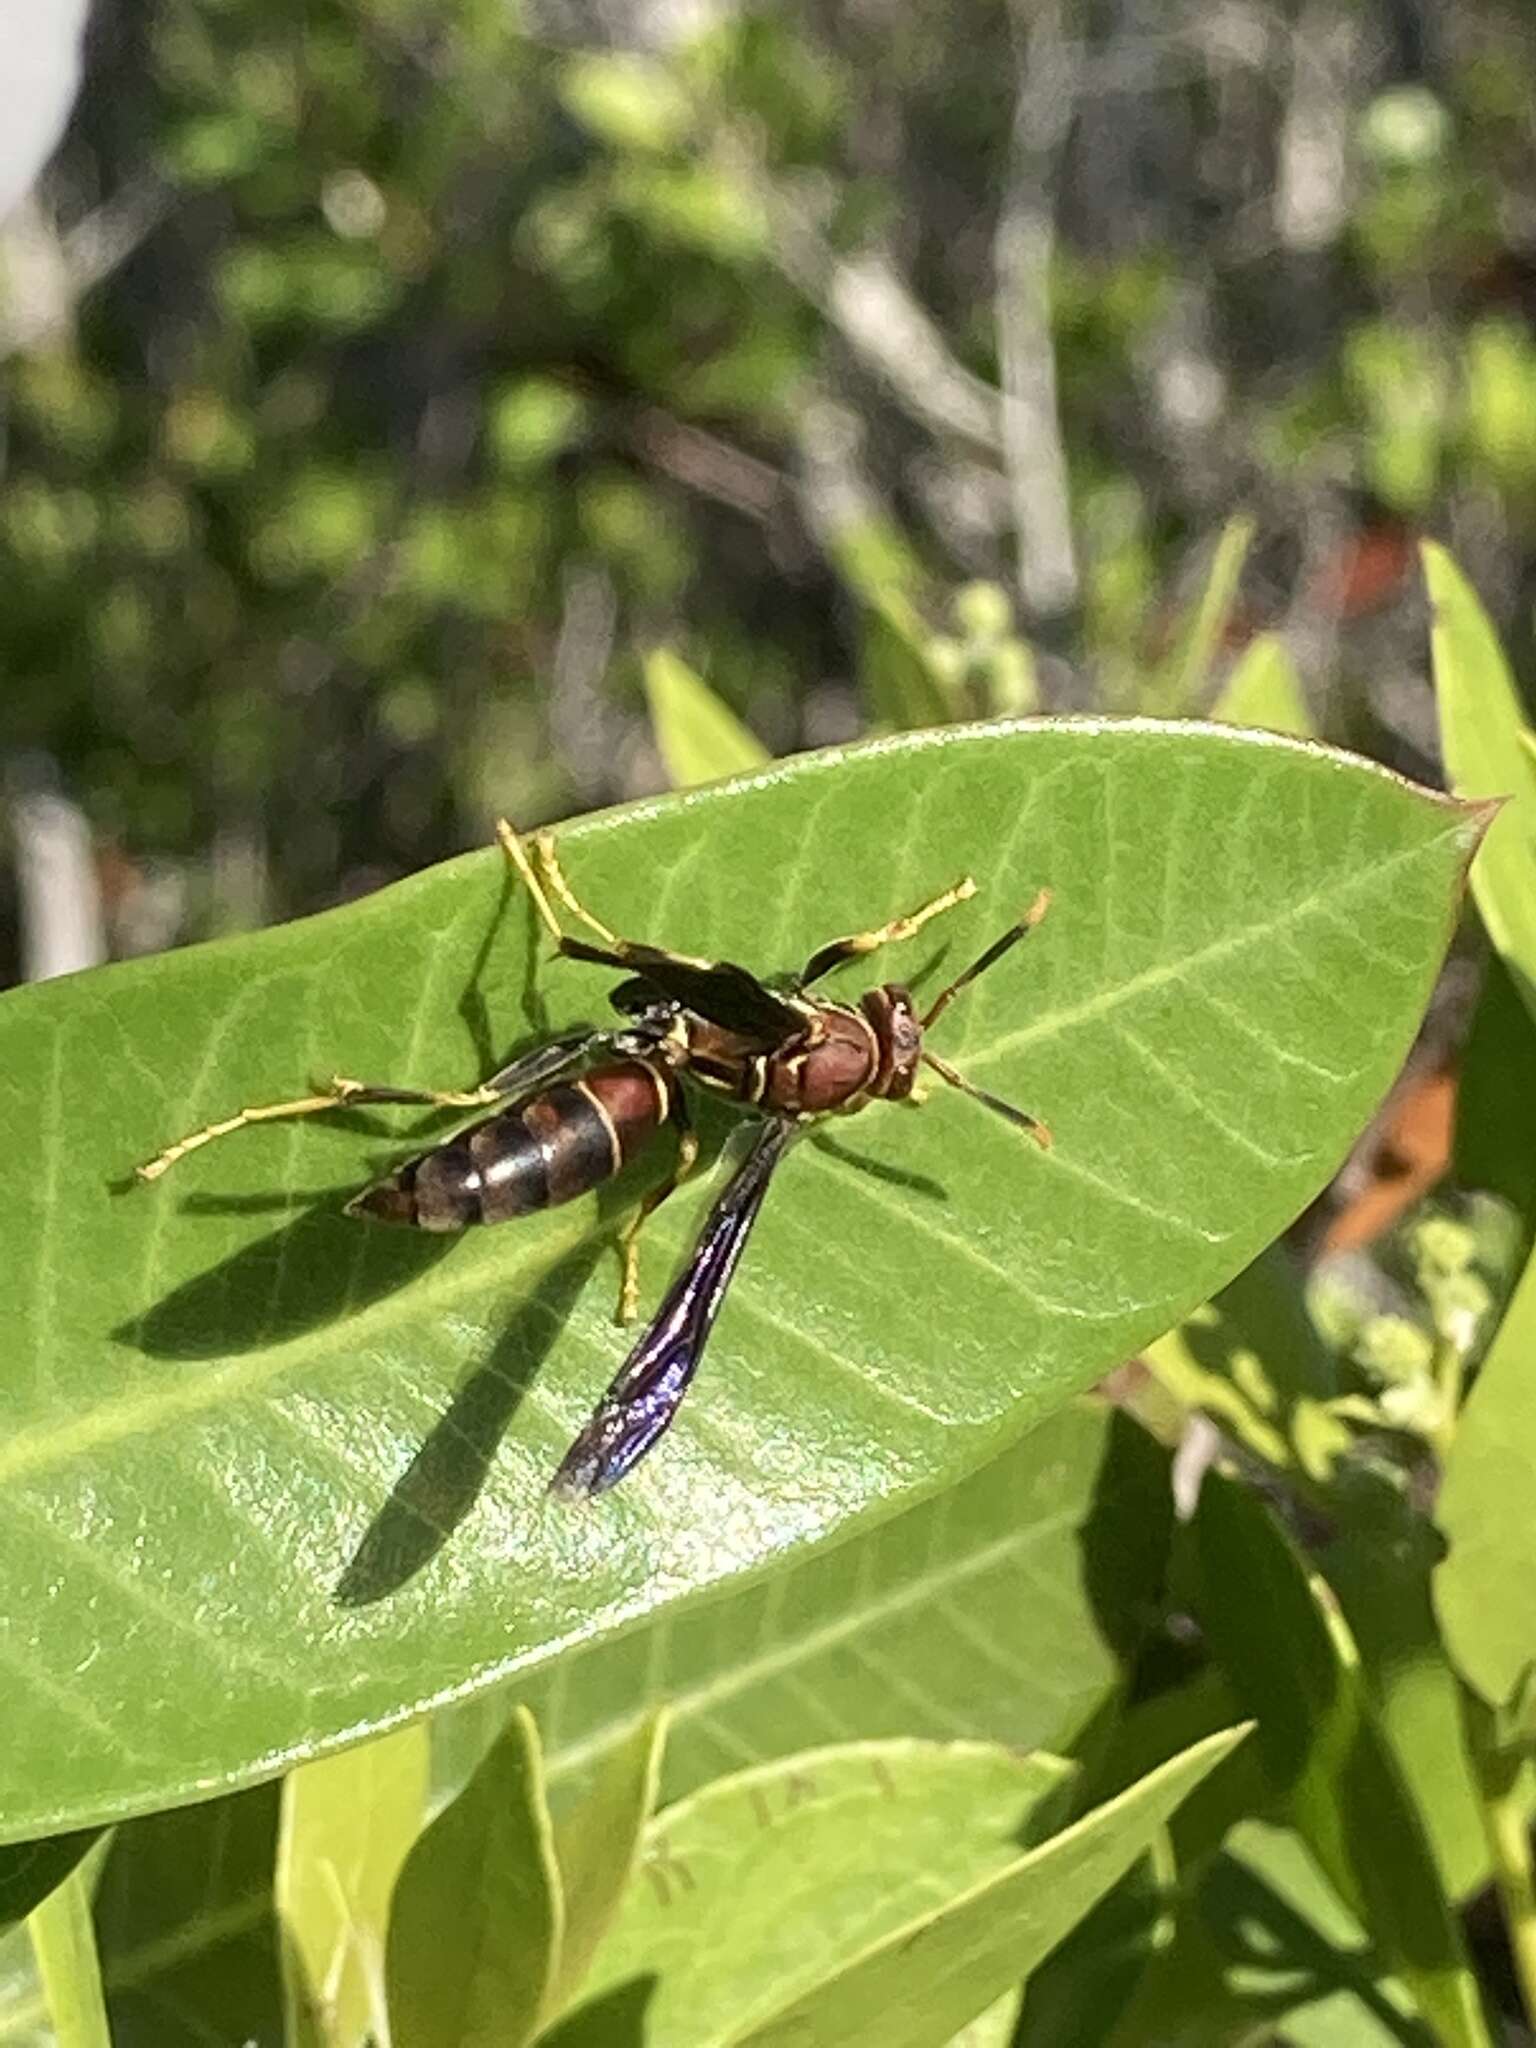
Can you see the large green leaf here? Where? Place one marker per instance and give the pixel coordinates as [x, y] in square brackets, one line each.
[234, 1420]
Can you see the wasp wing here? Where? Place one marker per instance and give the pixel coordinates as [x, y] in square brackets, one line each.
[644, 1396]
[718, 990]
[543, 1065]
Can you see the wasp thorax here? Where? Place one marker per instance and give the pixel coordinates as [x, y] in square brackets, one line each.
[899, 1036]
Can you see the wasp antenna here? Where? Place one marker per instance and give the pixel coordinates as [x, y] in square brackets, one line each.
[1019, 1118]
[990, 958]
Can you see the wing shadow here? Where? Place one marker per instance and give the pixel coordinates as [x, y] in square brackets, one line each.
[444, 1479]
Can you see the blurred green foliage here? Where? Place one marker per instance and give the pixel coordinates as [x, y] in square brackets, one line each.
[463, 353]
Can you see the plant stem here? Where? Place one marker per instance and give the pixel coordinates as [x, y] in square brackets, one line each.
[1450, 1366]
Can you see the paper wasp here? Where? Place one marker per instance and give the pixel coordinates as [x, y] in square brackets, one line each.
[566, 1116]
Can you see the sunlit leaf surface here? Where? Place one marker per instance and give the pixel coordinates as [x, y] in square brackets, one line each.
[991, 1611]
[239, 1429]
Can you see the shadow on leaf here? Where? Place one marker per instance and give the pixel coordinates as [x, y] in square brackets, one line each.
[616, 2019]
[443, 1481]
[322, 1266]
[1268, 1943]
[880, 1169]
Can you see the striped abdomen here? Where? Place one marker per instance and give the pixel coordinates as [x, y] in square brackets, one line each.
[530, 1155]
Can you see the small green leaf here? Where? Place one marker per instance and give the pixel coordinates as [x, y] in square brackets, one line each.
[905, 669]
[1289, 1658]
[1485, 1591]
[1180, 684]
[992, 2029]
[1379, 1565]
[475, 1929]
[782, 1904]
[763, 1887]
[597, 1847]
[23, 2011]
[628, 101]
[699, 738]
[531, 420]
[952, 1961]
[902, 669]
[348, 1821]
[235, 1421]
[1142, 1734]
[1495, 1147]
[64, 1943]
[1484, 733]
[1265, 691]
[1076, 1995]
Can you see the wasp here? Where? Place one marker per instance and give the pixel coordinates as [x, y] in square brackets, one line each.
[562, 1119]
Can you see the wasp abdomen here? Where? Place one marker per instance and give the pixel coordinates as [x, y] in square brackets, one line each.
[532, 1155]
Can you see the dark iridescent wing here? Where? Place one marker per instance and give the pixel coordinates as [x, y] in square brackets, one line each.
[643, 1399]
[545, 1064]
[717, 989]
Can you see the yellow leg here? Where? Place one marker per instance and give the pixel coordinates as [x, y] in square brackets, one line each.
[836, 951]
[512, 847]
[914, 920]
[554, 875]
[554, 883]
[629, 1243]
[339, 1094]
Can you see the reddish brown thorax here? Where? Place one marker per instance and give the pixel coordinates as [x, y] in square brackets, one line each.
[843, 1057]
[830, 1067]
[846, 1057]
